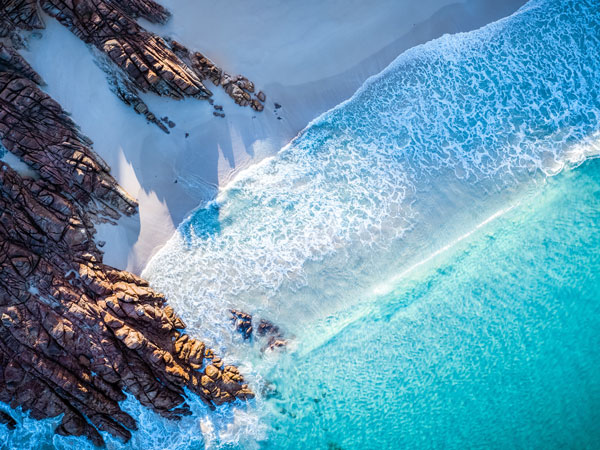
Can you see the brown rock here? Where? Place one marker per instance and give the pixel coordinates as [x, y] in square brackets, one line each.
[19, 14]
[147, 62]
[76, 334]
[237, 87]
[213, 372]
[243, 323]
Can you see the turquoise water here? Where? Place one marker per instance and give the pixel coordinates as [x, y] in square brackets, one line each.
[492, 345]
[442, 139]
[489, 340]
[430, 249]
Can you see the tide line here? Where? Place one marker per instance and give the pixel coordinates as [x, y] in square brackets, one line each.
[366, 308]
[387, 287]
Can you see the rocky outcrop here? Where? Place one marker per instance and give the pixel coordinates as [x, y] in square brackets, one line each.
[272, 334]
[146, 62]
[146, 9]
[75, 334]
[145, 58]
[243, 323]
[18, 15]
[35, 128]
[238, 87]
[7, 420]
[11, 61]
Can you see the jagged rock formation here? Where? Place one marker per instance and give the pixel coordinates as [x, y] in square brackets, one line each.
[243, 323]
[18, 14]
[272, 333]
[76, 334]
[10, 60]
[147, 62]
[147, 9]
[146, 58]
[35, 128]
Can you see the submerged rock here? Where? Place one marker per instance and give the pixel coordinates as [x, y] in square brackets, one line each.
[7, 420]
[265, 330]
[272, 333]
[243, 323]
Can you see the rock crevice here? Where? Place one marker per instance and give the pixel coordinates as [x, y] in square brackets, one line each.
[144, 61]
[76, 334]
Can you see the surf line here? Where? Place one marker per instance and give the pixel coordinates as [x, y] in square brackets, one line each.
[388, 286]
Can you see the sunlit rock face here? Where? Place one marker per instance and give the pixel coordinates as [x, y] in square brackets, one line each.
[144, 57]
[75, 334]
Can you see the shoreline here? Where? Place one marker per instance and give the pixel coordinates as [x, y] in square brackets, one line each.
[371, 278]
[171, 175]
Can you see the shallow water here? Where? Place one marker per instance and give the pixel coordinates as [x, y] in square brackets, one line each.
[440, 289]
[493, 344]
[425, 151]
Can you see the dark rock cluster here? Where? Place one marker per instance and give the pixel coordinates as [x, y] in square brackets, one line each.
[76, 334]
[35, 128]
[18, 15]
[243, 323]
[266, 331]
[272, 333]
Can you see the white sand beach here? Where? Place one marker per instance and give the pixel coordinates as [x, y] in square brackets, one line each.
[306, 56]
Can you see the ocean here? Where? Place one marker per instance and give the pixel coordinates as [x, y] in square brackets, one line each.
[493, 344]
[429, 249]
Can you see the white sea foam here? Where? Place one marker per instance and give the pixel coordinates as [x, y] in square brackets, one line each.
[419, 156]
[424, 148]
